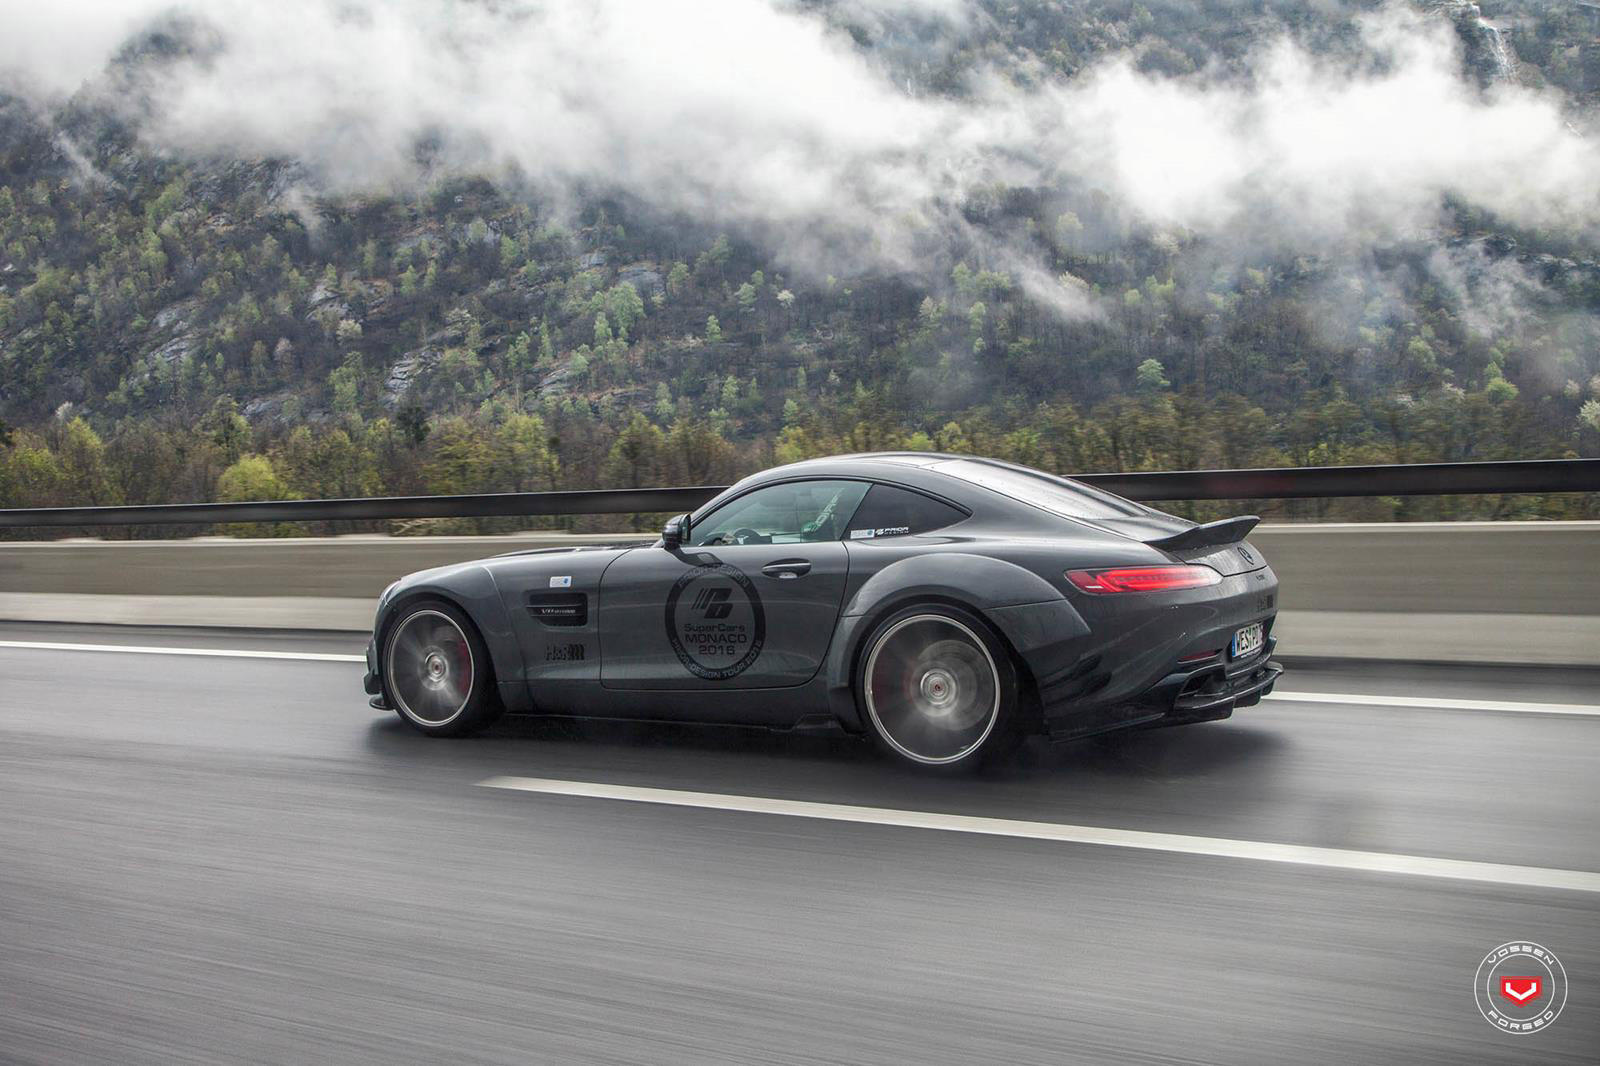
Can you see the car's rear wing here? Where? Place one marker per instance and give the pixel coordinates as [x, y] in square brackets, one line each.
[1210, 535]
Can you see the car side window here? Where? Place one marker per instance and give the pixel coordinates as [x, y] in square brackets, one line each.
[894, 512]
[795, 512]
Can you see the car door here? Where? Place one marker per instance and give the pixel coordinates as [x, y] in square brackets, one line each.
[750, 599]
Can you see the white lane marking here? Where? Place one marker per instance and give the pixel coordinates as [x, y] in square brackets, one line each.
[1433, 703]
[1334, 858]
[217, 653]
[1291, 697]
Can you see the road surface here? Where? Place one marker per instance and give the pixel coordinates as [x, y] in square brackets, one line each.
[219, 859]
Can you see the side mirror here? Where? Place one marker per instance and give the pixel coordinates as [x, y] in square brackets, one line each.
[675, 532]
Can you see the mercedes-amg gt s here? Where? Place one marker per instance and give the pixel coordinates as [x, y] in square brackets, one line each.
[944, 606]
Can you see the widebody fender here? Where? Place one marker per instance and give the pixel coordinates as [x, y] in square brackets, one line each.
[1036, 620]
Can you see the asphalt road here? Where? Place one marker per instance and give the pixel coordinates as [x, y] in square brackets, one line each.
[219, 860]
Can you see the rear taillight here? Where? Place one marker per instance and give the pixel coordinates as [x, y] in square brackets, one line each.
[1143, 579]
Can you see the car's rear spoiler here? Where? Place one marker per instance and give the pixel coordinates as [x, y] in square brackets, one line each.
[1210, 535]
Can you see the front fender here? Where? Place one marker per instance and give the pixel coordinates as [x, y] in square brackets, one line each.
[470, 587]
[1035, 619]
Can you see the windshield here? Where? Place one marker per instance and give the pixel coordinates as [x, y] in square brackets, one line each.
[1066, 498]
[794, 512]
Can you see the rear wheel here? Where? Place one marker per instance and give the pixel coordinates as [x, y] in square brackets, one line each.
[938, 688]
[436, 671]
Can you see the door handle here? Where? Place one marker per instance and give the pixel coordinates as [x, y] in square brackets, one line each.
[787, 569]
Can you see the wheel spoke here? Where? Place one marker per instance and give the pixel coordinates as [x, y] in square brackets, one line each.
[407, 646]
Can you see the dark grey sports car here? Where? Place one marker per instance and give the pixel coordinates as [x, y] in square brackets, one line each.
[943, 605]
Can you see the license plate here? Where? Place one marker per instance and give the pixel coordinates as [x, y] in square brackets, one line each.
[1247, 641]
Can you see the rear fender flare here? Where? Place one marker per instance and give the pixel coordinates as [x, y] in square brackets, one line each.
[1040, 626]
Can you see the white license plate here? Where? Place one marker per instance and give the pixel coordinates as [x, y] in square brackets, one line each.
[1247, 641]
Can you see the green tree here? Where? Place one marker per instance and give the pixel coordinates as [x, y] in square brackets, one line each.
[413, 423]
[252, 477]
[227, 429]
[326, 464]
[624, 308]
[952, 438]
[698, 455]
[1422, 356]
[522, 459]
[460, 459]
[677, 279]
[977, 318]
[518, 356]
[635, 458]
[1497, 388]
[1151, 377]
[345, 384]
[547, 350]
[1589, 414]
[81, 459]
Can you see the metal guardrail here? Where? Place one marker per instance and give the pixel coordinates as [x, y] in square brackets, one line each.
[1311, 482]
[486, 505]
[1419, 479]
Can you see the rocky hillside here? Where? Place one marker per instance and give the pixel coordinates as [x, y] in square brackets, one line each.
[175, 327]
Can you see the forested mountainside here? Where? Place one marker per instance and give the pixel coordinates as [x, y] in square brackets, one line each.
[223, 322]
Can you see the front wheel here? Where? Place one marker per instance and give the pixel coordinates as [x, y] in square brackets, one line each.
[436, 671]
[938, 688]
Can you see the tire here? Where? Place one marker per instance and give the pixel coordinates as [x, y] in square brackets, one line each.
[436, 671]
[938, 690]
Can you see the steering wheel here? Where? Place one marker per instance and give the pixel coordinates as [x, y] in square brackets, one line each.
[746, 535]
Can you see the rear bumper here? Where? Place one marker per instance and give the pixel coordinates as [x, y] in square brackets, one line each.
[1217, 697]
[1205, 693]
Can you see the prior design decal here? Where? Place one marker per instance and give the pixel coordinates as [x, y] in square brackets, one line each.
[881, 531]
[564, 582]
[715, 621]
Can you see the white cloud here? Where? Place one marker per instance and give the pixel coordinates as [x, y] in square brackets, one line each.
[757, 113]
[1314, 151]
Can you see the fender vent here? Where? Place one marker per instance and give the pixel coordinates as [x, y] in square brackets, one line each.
[560, 608]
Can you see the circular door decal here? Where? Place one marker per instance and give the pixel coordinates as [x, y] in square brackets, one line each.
[715, 622]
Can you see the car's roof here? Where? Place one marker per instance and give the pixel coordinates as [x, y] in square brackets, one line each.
[883, 464]
[1001, 497]
[901, 467]
[857, 462]
[918, 470]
